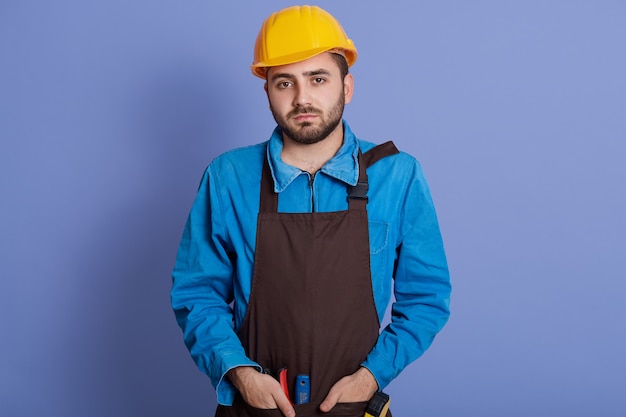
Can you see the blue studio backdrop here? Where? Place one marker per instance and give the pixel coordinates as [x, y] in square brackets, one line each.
[111, 110]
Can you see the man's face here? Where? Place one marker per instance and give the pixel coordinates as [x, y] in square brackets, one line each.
[307, 98]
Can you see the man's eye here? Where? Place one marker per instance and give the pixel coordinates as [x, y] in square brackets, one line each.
[284, 84]
[318, 80]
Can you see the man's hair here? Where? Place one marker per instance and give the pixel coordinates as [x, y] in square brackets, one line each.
[342, 63]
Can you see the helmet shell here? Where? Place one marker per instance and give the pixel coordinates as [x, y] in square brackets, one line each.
[298, 33]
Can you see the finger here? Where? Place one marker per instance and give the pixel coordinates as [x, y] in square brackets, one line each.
[331, 399]
[273, 393]
[284, 405]
[261, 391]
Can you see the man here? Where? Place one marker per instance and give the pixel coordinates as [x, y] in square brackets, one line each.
[291, 248]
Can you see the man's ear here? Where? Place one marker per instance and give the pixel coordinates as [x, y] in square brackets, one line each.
[267, 94]
[348, 88]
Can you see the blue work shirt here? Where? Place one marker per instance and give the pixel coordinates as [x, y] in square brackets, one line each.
[213, 273]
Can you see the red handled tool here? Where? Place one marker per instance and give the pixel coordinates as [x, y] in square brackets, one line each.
[282, 379]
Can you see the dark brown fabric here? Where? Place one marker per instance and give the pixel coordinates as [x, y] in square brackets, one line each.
[311, 307]
[240, 408]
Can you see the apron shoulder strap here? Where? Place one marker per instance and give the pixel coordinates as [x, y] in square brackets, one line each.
[377, 153]
[268, 201]
[357, 194]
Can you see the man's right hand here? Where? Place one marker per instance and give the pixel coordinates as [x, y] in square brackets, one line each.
[260, 390]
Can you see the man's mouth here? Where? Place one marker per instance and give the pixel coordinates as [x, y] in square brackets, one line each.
[305, 117]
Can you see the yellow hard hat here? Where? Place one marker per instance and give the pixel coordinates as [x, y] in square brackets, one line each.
[298, 33]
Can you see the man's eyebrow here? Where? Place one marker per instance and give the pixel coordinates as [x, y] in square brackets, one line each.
[316, 72]
[283, 75]
[290, 76]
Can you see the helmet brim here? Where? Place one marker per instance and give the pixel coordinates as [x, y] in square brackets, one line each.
[260, 68]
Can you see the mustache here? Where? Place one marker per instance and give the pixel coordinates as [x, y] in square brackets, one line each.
[302, 110]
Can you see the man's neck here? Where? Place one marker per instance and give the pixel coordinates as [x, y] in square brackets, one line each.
[312, 157]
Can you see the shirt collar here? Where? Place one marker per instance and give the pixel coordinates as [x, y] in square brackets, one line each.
[343, 166]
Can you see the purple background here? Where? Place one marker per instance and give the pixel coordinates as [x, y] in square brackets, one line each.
[110, 111]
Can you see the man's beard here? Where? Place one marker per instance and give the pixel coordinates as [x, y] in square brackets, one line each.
[307, 134]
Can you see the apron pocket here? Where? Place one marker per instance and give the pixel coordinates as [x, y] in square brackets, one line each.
[312, 410]
[339, 410]
[345, 410]
[243, 409]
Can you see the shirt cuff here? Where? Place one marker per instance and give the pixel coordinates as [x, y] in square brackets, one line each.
[382, 369]
[224, 389]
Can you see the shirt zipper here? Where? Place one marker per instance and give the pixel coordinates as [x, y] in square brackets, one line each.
[311, 180]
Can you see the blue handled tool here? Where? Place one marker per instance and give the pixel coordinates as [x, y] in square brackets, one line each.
[303, 389]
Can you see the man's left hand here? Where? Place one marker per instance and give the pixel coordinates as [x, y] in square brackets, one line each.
[360, 386]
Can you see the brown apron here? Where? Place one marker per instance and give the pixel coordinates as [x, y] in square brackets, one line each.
[311, 306]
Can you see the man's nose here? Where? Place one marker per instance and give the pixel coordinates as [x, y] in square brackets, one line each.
[303, 96]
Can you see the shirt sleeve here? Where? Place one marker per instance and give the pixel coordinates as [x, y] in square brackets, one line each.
[202, 291]
[421, 285]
